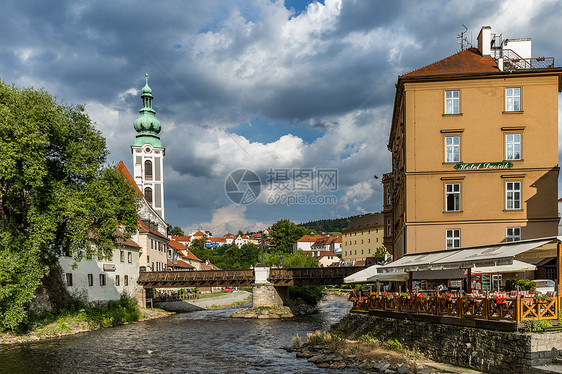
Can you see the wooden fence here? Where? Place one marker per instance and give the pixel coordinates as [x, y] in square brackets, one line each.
[517, 309]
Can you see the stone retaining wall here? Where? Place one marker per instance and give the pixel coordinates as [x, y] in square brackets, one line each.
[481, 349]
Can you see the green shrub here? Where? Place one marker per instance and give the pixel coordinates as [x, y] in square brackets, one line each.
[394, 345]
[536, 325]
[310, 295]
[524, 285]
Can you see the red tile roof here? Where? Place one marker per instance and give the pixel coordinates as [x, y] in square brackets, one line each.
[199, 233]
[143, 228]
[123, 170]
[217, 239]
[469, 61]
[189, 255]
[210, 266]
[230, 236]
[182, 238]
[310, 238]
[185, 265]
[176, 245]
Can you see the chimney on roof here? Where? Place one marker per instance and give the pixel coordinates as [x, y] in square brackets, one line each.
[485, 40]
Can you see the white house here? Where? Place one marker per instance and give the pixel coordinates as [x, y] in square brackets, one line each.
[102, 280]
[241, 240]
[305, 243]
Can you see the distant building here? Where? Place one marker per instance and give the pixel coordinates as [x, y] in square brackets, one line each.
[328, 243]
[362, 237]
[305, 243]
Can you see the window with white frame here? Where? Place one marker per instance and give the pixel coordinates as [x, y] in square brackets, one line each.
[513, 146]
[453, 238]
[68, 279]
[452, 149]
[513, 234]
[452, 102]
[90, 280]
[102, 279]
[513, 99]
[512, 195]
[453, 197]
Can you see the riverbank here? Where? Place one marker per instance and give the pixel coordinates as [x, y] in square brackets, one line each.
[332, 350]
[234, 298]
[71, 325]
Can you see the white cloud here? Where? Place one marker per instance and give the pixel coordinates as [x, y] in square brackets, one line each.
[230, 218]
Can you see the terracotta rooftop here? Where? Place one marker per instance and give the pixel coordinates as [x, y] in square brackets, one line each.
[182, 238]
[176, 245]
[189, 255]
[469, 61]
[209, 266]
[143, 228]
[123, 170]
[185, 265]
[326, 240]
[310, 238]
[199, 233]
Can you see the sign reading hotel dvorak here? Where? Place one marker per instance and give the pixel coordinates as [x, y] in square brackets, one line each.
[484, 165]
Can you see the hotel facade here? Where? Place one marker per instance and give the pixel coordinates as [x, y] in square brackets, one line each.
[474, 143]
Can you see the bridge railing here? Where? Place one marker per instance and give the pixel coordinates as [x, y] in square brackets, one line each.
[195, 278]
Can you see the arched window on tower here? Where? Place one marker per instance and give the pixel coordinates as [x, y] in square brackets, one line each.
[148, 195]
[148, 169]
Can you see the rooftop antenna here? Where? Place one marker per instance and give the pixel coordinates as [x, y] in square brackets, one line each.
[463, 40]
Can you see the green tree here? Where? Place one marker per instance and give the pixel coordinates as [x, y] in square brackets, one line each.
[56, 196]
[175, 231]
[284, 233]
[299, 259]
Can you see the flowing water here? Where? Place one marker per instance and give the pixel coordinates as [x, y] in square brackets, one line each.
[196, 342]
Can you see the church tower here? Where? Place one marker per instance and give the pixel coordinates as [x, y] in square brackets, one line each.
[148, 153]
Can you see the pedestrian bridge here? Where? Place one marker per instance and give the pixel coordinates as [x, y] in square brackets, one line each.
[246, 277]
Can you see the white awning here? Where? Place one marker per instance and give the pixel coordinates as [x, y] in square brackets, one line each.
[470, 257]
[516, 267]
[388, 277]
[361, 276]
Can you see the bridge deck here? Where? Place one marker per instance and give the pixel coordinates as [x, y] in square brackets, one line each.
[245, 277]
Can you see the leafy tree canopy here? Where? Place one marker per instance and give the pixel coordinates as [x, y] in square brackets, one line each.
[284, 233]
[175, 231]
[56, 196]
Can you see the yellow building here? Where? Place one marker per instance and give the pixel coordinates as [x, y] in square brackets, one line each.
[474, 142]
[362, 237]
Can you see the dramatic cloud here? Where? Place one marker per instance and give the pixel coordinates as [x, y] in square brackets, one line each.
[257, 84]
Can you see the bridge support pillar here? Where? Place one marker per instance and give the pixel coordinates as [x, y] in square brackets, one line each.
[269, 295]
[265, 293]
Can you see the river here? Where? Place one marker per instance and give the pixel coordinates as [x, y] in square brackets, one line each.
[206, 341]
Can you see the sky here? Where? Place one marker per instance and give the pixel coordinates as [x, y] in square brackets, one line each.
[296, 94]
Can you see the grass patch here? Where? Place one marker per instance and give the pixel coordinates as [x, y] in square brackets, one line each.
[80, 316]
[214, 294]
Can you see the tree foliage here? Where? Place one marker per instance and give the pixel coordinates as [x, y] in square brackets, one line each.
[284, 233]
[230, 256]
[175, 231]
[56, 196]
[328, 225]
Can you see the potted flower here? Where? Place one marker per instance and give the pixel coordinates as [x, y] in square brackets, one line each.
[541, 298]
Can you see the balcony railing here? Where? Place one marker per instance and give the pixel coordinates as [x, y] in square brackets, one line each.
[512, 61]
[491, 307]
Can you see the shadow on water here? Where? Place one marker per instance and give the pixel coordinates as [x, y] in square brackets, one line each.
[197, 342]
